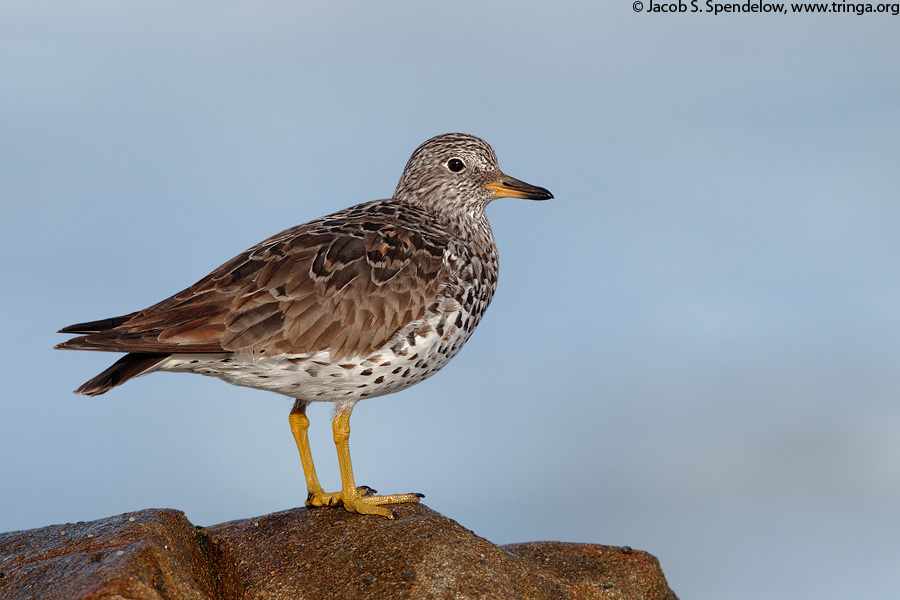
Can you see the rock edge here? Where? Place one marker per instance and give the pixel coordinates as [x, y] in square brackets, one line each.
[157, 554]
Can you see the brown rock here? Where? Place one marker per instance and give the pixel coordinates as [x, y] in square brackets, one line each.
[599, 571]
[302, 553]
[151, 554]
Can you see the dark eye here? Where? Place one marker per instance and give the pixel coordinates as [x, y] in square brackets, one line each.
[455, 165]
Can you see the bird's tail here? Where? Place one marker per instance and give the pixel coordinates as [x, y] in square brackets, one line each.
[96, 326]
[127, 367]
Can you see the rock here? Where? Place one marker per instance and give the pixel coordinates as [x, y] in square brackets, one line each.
[151, 554]
[303, 553]
[600, 571]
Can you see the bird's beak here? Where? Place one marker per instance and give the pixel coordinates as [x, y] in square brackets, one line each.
[510, 187]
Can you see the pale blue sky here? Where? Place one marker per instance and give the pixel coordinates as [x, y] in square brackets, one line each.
[694, 349]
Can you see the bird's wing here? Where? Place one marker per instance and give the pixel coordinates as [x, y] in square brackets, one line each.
[345, 285]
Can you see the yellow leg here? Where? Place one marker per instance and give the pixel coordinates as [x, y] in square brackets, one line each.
[316, 496]
[355, 499]
[300, 427]
[350, 495]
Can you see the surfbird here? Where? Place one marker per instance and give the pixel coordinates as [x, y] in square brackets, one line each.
[361, 303]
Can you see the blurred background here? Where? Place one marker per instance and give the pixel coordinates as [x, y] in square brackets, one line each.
[694, 348]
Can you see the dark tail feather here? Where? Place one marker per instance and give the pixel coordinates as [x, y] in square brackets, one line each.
[96, 326]
[130, 365]
[78, 343]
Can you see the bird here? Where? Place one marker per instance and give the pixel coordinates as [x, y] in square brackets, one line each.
[361, 303]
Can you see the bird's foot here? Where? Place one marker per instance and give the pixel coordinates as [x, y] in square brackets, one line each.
[321, 498]
[362, 501]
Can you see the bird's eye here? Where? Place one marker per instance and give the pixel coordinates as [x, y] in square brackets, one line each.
[455, 165]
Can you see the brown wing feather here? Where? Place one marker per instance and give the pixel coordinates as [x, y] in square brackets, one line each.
[346, 283]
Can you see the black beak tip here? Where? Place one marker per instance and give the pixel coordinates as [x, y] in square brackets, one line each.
[541, 194]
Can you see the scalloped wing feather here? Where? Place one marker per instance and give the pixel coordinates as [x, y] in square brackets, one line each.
[346, 283]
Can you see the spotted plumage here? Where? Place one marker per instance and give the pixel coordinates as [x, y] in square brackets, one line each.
[363, 302]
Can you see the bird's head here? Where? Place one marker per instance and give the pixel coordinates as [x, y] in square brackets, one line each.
[457, 173]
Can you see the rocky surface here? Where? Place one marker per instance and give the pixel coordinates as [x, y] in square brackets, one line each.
[301, 553]
[147, 554]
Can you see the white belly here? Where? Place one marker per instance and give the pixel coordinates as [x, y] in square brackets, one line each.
[405, 360]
